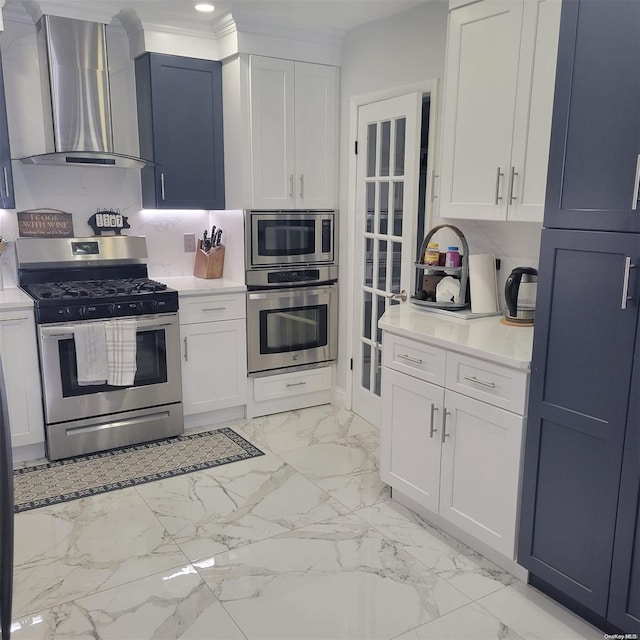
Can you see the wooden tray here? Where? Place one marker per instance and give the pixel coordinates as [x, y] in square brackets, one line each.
[209, 264]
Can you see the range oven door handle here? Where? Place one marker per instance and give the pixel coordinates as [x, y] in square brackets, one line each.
[66, 331]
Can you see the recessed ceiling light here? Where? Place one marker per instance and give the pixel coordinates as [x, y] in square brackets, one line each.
[205, 7]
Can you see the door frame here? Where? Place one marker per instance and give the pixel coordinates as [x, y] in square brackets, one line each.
[430, 88]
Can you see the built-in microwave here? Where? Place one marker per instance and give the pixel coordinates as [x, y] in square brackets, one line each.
[287, 238]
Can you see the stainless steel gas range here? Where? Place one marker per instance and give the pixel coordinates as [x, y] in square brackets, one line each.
[76, 282]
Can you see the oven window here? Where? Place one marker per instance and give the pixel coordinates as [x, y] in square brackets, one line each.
[293, 329]
[151, 360]
[286, 237]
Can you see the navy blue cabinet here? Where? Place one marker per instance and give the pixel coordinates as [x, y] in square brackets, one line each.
[580, 514]
[582, 363]
[180, 129]
[594, 160]
[7, 198]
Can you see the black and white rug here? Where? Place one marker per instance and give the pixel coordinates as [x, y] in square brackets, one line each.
[89, 475]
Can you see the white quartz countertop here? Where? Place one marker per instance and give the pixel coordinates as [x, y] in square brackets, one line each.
[14, 298]
[481, 337]
[192, 286]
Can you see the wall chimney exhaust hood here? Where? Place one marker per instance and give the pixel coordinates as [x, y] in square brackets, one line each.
[75, 89]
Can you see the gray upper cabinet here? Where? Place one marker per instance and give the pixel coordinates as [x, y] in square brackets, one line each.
[594, 160]
[7, 198]
[180, 129]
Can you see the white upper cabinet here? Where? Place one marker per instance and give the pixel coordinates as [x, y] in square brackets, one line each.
[294, 131]
[498, 99]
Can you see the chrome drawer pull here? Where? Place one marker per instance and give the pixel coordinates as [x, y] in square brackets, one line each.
[186, 351]
[432, 429]
[295, 384]
[215, 309]
[162, 186]
[636, 186]
[445, 435]
[491, 385]
[625, 282]
[499, 175]
[409, 358]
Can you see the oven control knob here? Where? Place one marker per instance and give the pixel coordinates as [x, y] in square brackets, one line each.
[83, 312]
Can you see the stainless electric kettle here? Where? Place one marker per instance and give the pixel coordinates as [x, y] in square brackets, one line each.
[521, 304]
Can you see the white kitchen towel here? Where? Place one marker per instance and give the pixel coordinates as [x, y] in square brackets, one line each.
[91, 353]
[121, 351]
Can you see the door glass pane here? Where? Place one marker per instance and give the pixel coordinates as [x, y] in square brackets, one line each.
[366, 366]
[370, 205]
[381, 301]
[372, 133]
[398, 165]
[398, 199]
[368, 262]
[384, 208]
[377, 372]
[366, 319]
[385, 148]
[396, 258]
[382, 265]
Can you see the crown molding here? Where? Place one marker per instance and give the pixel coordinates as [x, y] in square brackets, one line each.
[68, 9]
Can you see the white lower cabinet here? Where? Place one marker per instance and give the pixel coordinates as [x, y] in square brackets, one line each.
[19, 352]
[214, 353]
[450, 453]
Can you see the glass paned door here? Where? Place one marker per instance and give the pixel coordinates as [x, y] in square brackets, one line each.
[386, 205]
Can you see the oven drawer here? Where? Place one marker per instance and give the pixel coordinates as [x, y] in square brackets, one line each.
[283, 385]
[212, 308]
[492, 383]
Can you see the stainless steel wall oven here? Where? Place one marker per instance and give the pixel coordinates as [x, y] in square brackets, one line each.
[81, 281]
[292, 296]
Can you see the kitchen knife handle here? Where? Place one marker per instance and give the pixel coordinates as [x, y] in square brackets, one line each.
[162, 185]
[291, 186]
[186, 351]
[6, 181]
[625, 282]
[499, 174]
[636, 186]
[511, 184]
[432, 429]
[301, 185]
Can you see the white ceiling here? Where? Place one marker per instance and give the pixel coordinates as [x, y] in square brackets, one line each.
[339, 15]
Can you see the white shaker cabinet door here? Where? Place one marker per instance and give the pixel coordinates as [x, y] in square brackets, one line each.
[316, 135]
[273, 171]
[410, 437]
[534, 106]
[480, 470]
[478, 109]
[214, 369]
[19, 352]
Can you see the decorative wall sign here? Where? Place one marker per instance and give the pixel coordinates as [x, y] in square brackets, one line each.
[102, 221]
[45, 223]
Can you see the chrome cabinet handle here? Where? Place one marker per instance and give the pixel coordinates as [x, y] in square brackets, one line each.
[291, 186]
[444, 425]
[499, 174]
[302, 185]
[14, 318]
[295, 384]
[404, 356]
[512, 175]
[636, 186]
[398, 296]
[432, 428]
[491, 385]
[186, 351]
[6, 181]
[434, 175]
[214, 309]
[162, 185]
[625, 282]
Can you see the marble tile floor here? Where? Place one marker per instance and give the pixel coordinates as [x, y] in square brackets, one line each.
[302, 543]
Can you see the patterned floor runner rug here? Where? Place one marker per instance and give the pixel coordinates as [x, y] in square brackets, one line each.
[74, 478]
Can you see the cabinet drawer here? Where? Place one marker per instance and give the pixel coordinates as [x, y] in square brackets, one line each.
[414, 358]
[500, 386]
[284, 385]
[212, 308]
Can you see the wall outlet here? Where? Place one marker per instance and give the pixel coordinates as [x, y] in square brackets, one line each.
[189, 242]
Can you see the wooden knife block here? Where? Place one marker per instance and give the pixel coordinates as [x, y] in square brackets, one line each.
[209, 265]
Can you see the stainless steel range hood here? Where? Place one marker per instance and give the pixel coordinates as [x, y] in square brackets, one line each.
[75, 89]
